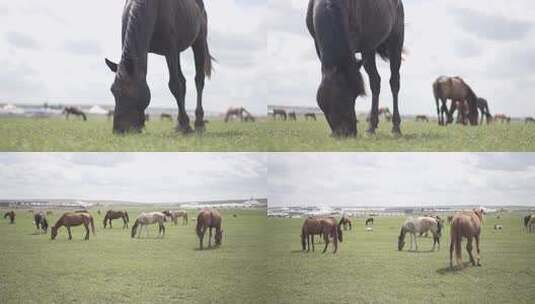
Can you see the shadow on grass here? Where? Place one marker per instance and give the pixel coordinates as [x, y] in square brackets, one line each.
[421, 251]
[448, 270]
[205, 248]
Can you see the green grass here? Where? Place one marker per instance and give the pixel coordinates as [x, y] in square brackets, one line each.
[417, 136]
[112, 267]
[368, 268]
[58, 134]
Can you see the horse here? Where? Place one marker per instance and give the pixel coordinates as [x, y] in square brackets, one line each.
[419, 225]
[292, 116]
[310, 116]
[165, 28]
[498, 227]
[69, 219]
[235, 112]
[502, 118]
[112, 215]
[422, 118]
[11, 215]
[346, 221]
[529, 120]
[529, 223]
[483, 106]
[456, 89]
[345, 27]
[67, 111]
[450, 219]
[149, 218]
[166, 116]
[325, 226]
[281, 113]
[209, 219]
[174, 215]
[369, 220]
[468, 225]
[40, 221]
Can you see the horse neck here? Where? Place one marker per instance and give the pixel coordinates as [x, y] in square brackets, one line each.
[138, 25]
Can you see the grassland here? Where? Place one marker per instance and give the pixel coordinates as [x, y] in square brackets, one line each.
[368, 268]
[59, 134]
[113, 268]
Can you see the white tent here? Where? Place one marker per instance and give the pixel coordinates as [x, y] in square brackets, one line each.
[97, 110]
[10, 109]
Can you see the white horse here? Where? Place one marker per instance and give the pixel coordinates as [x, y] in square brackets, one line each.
[420, 225]
[149, 218]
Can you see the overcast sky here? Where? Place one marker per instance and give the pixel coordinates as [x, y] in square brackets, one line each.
[491, 43]
[401, 179]
[54, 51]
[136, 177]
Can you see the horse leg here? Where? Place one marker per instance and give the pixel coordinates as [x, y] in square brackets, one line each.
[326, 238]
[69, 231]
[477, 251]
[469, 249]
[86, 226]
[375, 85]
[451, 253]
[209, 237]
[177, 85]
[199, 54]
[312, 238]
[110, 224]
[395, 64]
[452, 110]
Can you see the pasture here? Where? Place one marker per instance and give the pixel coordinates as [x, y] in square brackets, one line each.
[417, 137]
[112, 267]
[59, 134]
[368, 268]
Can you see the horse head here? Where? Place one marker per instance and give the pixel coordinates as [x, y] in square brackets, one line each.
[336, 97]
[401, 239]
[132, 96]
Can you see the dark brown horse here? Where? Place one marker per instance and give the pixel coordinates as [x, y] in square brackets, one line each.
[467, 225]
[209, 219]
[292, 116]
[67, 111]
[455, 89]
[11, 215]
[345, 27]
[112, 215]
[345, 221]
[166, 28]
[70, 219]
[310, 116]
[369, 220]
[40, 221]
[280, 113]
[324, 226]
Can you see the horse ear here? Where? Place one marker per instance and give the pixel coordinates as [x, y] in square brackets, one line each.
[112, 65]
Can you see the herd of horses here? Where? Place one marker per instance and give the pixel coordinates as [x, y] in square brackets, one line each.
[208, 220]
[284, 115]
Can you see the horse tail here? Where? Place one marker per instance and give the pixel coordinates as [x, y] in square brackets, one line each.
[134, 228]
[200, 223]
[456, 238]
[439, 228]
[105, 222]
[92, 224]
[303, 238]
[44, 224]
[84, 116]
[126, 215]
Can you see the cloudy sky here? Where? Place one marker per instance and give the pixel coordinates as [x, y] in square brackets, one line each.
[137, 177]
[489, 43]
[401, 179]
[55, 51]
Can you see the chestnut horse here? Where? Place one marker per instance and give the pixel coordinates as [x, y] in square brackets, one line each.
[207, 220]
[40, 221]
[346, 221]
[325, 226]
[468, 225]
[457, 90]
[11, 215]
[174, 215]
[69, 219]
[112, 215]
[420, 225]
[149, 218]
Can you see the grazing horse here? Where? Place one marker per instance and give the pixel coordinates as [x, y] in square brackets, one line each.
[209, 219]
[235, 112]
[281, 113]
[369, 220]
[346, 221]
[149, 218]
[310, 116]
[11, 215]
[174, 215]
[345, 27]
[166, 28]
[419, 225]
[69, 219]
[325, 226]
[529, 120]
[456, 89]
[112, 215]
[422, 118]
[502, 118]
[468, 225]
[292, 116]
[40, 221]
[67, 111]
[483, 106]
